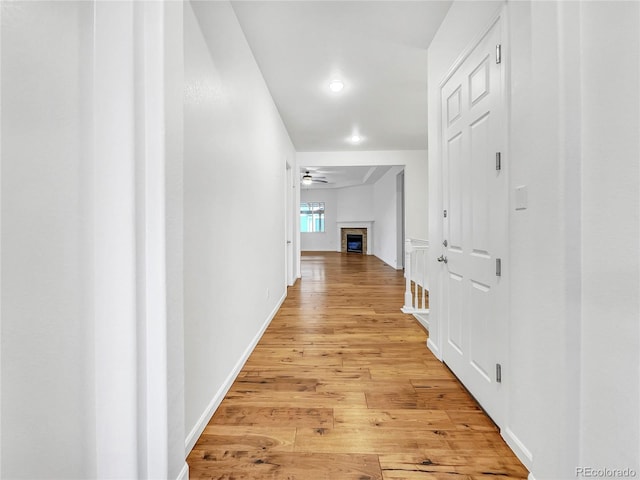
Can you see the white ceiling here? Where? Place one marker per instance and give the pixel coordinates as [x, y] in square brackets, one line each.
[379, 50]
[344, 176]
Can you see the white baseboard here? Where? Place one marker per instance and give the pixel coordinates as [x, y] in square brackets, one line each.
[184, 473]
[518, 447]
[434, 349]
[204, 419]
[423, 318]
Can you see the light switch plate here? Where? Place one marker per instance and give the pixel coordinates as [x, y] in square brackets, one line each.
[522, 201]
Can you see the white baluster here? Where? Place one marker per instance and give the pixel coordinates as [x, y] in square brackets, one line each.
[424, 279]
[416, 276]
[408, 306]
[416, 285]
[416, 265]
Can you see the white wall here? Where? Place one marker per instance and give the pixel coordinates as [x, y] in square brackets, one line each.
[542, 397]
[321, 241]
[572, 372]
[610, 173]
[385, 206]
[235, 151]
[86, 333]
[416, 178]
[173, 32]
[355, 204]
[45, 282]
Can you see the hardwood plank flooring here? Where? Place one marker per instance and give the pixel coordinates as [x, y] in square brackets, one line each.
[342, 387]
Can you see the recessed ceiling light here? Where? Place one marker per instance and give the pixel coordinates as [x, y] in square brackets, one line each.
[336, 86]
[356, 138]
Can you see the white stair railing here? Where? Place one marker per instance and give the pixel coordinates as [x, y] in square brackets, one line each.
[416, 296]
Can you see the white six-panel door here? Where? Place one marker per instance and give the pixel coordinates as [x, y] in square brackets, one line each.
[474, 225]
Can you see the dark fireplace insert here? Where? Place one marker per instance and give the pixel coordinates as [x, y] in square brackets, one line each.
[354, 243]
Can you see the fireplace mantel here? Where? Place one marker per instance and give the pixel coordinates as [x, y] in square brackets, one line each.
[368, 224]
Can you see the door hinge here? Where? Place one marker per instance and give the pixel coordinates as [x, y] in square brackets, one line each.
[498, 53]
[498, 161]
[445, 214]
[498, 267]
[498, 373]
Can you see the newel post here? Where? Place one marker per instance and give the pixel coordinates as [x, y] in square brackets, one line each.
[408, 298]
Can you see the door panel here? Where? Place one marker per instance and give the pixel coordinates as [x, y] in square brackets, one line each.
[454, 212]
[475, 199]
[480, 209]
[479, 81]
[455, 330]
[480, 330]
[454, 102]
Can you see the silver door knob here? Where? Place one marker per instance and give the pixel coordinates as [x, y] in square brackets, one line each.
[442, 258]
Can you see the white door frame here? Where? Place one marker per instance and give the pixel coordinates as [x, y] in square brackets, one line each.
[400, 219]
[290, 223]
[129, 245]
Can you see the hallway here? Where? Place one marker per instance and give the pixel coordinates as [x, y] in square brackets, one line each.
[342, 386]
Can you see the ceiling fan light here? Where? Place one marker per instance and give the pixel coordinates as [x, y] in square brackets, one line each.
[306, 179]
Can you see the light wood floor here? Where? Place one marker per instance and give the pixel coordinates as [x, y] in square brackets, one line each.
[342, 387]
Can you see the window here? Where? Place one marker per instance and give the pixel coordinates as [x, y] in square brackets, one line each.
[312, 217]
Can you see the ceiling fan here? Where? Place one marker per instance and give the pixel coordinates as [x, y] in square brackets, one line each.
[308, 179]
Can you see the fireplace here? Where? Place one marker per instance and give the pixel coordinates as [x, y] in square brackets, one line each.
[354, 243]
[353, 240]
